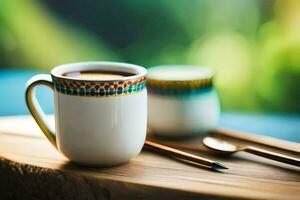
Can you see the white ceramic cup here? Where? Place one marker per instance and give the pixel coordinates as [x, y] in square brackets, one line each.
[97, 122]
[181, 100]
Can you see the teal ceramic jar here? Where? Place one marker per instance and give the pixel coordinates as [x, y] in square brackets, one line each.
[181, 100]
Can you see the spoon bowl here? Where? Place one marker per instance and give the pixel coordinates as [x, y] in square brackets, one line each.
[220, 146]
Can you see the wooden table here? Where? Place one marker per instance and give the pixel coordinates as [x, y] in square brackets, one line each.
[30, 168]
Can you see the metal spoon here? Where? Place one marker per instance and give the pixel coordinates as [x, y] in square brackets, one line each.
[223, 147]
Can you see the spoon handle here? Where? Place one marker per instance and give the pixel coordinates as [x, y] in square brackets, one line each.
[273, 156]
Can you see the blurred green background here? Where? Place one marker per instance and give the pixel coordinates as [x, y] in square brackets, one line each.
[253, 45]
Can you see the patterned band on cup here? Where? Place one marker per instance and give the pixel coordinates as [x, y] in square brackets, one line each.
[178, 92]
[98, 88]
[182, 84]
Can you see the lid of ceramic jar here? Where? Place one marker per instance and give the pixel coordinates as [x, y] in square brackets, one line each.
[179, 77]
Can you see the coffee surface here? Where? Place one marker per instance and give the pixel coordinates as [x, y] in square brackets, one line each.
[97, 75]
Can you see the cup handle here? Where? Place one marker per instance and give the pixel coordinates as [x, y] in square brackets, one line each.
[34, 106]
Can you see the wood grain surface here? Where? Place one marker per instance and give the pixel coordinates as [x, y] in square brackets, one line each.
[30, 168]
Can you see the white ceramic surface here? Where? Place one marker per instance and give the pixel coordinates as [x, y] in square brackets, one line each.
[183, 116]
[106, 130]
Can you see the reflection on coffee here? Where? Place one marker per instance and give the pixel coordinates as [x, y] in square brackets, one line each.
[97, 75]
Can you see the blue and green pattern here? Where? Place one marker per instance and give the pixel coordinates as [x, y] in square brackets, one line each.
[178, 92]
